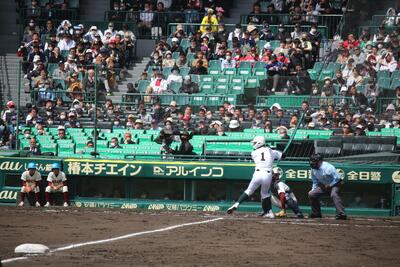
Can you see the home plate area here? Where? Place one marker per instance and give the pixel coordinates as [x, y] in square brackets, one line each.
[97, 237]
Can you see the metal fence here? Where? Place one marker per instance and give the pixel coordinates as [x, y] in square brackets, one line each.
[43, 13]
[152, 24]
[330, 21]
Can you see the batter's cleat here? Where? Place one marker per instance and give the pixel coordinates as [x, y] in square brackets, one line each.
[341, 217]
[300, 216]
[65, 204]
[314, 216]
[269, 215]
[21, 204]
[47, 204]
[37, 204]
[233, 208]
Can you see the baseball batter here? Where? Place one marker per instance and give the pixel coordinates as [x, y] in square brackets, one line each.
[30, 183]
[286, 197]
[57, 182]
[263, 156]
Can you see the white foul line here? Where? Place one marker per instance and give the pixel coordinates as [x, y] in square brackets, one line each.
[101, 241]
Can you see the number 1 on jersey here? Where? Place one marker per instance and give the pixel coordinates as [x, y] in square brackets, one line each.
[262, 156]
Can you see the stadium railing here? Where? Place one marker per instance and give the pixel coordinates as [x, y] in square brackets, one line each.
[330, 21]
[194, 27]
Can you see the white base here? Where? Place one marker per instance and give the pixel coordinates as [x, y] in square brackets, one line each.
[31, 249]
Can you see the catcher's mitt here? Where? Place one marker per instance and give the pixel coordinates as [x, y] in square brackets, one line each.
[280, 214]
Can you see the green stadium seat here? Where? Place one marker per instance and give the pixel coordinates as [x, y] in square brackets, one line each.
[65, 53]
[395, 75]
[197, 100]
[166, 71]
[58, 83]
[206, 79]
[142, 86]
[185, 43]
[261, 73]
[383, 74]
[222, 79]
[213, 101]
[252, 82]
[221, 88]
[260, 64]
[207, 88]
[384, 83]
[195, 78]
[237, 89]
[175, 55]
[215, 64]
[244, 72]
[245, 65]
[214, 71]
[395, 83]
[175, 86]
[184, 71]
[230, 71]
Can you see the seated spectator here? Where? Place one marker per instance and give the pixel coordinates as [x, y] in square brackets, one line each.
[32, 118]
[209, 21]
[33, 148]
[355, 78]
[182, 60]
[343, 57]
[346, 130]
[188, 86]
[200, 57]
[130, 122]
[283, 132]
[114, 143]
[168, 61]
[60, 73]
[159, 85]
[55, 56]
[66, 43]
[155, 61]
[154, 126]
[185, 147]
[387, 63]
[234, 126]
[74, 87]
[128, 139]
[174, 76]
[72, 122]
[198, 68]
[139, 124]
[228, 62]
[61, 133]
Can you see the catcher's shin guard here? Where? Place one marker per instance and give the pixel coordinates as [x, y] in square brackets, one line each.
[266, 204]
[294, 206]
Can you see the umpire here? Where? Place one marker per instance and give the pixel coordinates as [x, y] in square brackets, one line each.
[325, 180]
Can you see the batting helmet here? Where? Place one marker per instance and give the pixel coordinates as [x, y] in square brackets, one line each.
[258, 141]
[55, 166]
[315, 161]
[31, 165]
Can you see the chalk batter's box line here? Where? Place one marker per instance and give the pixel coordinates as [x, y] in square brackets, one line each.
[102, 241]
[311, 222]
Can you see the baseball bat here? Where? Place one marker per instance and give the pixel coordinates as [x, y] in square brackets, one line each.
[292, 136]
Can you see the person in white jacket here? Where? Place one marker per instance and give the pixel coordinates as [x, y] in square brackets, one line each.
[387, 63]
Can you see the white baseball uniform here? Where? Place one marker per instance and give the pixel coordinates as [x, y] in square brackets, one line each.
[281, 187]
[56, 181]
[263, 157]
[31, 181]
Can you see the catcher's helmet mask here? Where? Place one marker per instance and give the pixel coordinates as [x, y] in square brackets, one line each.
[315, 161]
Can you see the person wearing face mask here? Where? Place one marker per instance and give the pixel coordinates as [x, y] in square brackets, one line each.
[237, 32]
[114, 143]
[315, 38]
[228, 62]
[396, 121]
[387, 63]
[281, 35]
[128, 139]
[117, 124]
[72, 121]
[155, 61]
[185, 148]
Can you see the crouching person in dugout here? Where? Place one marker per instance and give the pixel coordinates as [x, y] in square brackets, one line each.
[30, 183]
[57, 182]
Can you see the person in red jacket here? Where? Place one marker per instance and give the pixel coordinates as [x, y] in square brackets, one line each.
[351, 42]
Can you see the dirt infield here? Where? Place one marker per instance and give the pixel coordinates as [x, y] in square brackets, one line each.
[238, 240]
